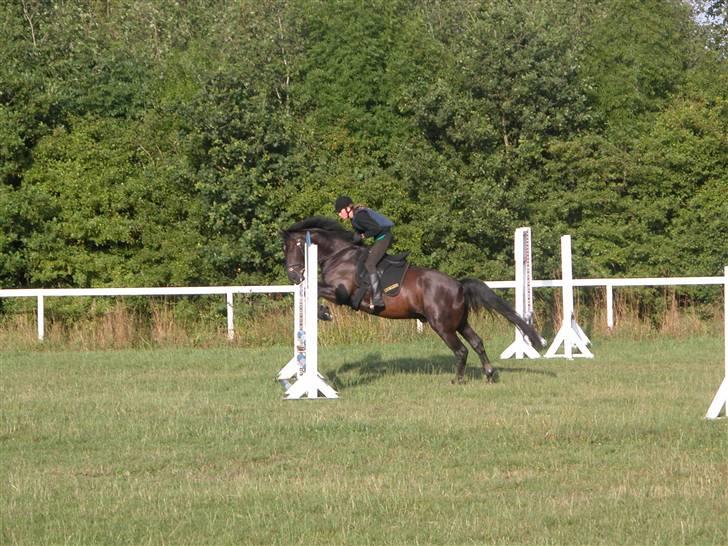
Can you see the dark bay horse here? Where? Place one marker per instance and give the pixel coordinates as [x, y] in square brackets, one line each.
[425, 294]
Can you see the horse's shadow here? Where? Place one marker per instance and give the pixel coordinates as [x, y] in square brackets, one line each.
[374, 367]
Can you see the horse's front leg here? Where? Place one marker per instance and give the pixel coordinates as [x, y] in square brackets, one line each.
[328, 293]
[340, 294]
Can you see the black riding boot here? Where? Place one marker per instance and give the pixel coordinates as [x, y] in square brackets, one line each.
[377, 298]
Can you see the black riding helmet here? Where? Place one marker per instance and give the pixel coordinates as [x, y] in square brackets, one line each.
[342, 202]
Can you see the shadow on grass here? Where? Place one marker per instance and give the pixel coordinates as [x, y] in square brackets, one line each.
[373, 367]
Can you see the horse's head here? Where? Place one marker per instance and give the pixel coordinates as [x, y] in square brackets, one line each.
[326, 233]
[294, 245]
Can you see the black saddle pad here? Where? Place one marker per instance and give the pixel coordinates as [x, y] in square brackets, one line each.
[391, 271]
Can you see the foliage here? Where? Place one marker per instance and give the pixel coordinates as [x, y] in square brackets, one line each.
[167, 143]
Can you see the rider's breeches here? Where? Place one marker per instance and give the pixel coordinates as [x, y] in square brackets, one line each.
[377, 251]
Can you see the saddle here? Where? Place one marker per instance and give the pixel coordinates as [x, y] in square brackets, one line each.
[390, 270]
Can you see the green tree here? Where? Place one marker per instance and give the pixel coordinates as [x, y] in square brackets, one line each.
[158, 143]
[102, 212]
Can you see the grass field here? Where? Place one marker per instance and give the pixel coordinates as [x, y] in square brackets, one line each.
[194, 446]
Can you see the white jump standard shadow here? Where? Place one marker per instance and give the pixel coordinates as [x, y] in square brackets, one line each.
[521, 346]
[570, 334]
[300, 377]
[720, 402]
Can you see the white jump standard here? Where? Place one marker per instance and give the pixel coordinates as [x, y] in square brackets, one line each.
[524, 295]
[720, 401]
[300, 377]
[570, 334]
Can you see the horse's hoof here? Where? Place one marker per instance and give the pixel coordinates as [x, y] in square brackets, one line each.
[458, 381]
[324, 313]
[493, 377]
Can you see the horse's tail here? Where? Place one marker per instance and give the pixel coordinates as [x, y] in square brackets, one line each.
[480, 295]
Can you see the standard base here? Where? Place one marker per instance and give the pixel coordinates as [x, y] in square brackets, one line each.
[571, 336]
[288, 371]
[520, 348]
[311, 386]
[720, 402]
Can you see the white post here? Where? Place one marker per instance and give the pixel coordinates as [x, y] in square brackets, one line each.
[41, 318]
[610, 307]
[570, 333]
[524, 294]
[720, 402]
[230, 317]
[309, 382]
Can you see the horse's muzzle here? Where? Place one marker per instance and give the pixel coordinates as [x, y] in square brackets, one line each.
[294, 275]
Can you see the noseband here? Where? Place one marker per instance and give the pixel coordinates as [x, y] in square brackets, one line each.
[298, 267]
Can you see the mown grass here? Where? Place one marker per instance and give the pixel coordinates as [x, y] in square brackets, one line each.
[194, 446]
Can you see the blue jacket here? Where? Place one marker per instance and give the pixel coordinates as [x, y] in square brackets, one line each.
[369, 223]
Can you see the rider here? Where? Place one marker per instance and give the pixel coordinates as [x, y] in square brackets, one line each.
[368, 223]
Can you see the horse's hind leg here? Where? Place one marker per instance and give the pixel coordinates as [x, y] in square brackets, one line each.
[490, 373]
[452, 340]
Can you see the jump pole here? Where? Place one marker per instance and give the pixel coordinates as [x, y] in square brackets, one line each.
[303, 367]
[521, 347]
[720, 402]
[570, 334]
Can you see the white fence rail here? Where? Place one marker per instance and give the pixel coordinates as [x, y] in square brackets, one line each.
[229, 291]
[718, 406]
[609, 284]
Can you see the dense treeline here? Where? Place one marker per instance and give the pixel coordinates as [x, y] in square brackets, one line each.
[155, 143]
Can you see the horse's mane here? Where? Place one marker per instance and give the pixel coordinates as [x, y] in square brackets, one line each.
[320, 223]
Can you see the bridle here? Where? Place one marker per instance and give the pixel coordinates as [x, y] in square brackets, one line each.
[298, 267]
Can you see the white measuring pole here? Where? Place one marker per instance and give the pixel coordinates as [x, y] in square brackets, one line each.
[230, 305]
[524, 295]
[570, 334]
[303, 367]
[720, 402]
[41, 318]
[610, 306]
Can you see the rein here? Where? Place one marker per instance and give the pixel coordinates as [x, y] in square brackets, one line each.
[340, 251]
[292, 266]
